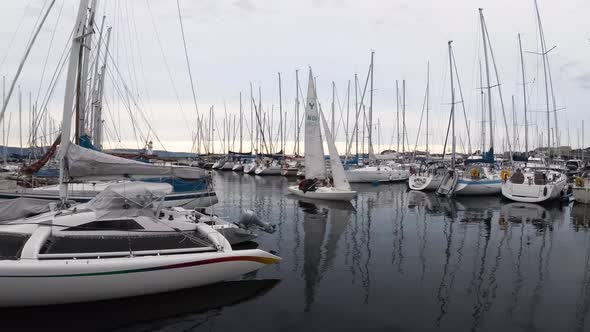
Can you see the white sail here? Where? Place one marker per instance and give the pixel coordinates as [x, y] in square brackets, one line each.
[314, 150]
[86, 164]
[340, 181]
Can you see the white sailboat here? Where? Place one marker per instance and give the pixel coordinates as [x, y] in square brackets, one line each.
[105, 249]
[317, 184]
[430, 179]
[534, 184]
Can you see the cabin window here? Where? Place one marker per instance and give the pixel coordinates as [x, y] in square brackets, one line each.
[107, 225]
[11, 245]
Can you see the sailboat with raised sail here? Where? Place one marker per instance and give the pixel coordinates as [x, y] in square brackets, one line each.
[116, 245]
[317, 184]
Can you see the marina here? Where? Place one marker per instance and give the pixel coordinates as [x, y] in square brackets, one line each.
[159, 178]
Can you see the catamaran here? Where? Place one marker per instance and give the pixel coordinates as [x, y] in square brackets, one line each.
[317, 184]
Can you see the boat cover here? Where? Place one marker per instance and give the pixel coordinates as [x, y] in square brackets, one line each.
[87, 164]
[22, 208]
[129, 200]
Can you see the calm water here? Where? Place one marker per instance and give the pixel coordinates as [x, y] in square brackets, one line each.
[392, 260]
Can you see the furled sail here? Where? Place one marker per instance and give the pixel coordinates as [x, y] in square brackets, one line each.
[86, 164]
[340, 180]
[315, 166]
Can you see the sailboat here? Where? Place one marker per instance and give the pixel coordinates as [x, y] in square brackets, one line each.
[114, 246]
[375, 172]
[317, 184]
[480, 177]
[537, 185]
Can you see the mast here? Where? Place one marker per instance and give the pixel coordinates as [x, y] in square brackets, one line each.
[23, 60]
[333, 122]
[347, 114]
[281, 116]
[370, 140]
[452, 106]
[357, 109]
[97, 130]
[397, 108]
[526, 124]
[297, 112]
[489, 85]
[544, 55]
[513, 123]
[251, 120]
[83, 73]
[404, 117]
[241, 122]
[20, 120]
[427, 104]
[73, 63]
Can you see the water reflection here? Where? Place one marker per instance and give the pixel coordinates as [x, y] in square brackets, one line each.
[401, 260]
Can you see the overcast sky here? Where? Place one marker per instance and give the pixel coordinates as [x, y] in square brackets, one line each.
[233, 43]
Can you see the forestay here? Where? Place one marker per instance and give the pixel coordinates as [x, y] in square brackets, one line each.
[86, 164]
[315, 167]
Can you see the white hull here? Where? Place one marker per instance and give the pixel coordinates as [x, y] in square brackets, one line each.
[43, 282]
[376, 174]
[425, 183]
[448, 183]
[228, 166]
[268, 170]
[249, 168]
[238, 167]
[325, 193]
[533, 193]
[218, 164]
[582, 194]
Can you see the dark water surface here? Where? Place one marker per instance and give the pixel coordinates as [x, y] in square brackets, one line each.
[392, 260]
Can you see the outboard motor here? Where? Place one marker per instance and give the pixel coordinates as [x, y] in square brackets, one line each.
[249, 219]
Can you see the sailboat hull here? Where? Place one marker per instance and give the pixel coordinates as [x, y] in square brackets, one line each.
[268, 170]
[325, 193]
[425, 183]
[582, 194]
[228, 166]
[532, 193]
[238, 167]
[375, 174]
[478, 187]
[448, 183]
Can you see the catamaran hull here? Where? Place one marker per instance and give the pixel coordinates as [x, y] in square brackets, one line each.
[424, 183]
[187, 200]
[330, 194]
[478, 187]
[582, 194]
[46, 282]
[533, 193]
[361, 176]
[268, 170]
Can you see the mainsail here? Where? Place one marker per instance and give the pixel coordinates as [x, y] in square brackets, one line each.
[340, 180]
[314, 150]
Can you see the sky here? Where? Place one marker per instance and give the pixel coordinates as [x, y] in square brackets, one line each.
[237, 42]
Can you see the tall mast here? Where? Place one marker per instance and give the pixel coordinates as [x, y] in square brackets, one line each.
[333, 122]
[357, 109]
[281, 116]
[83, 73]
[427, 104]
[252, 120]
[20, 120]
[526, 124]
[70, 89]
[97, 130]
[404, 116]
[489, 85]
[297, 112]
[452, 106]
[397, 112]
[347, 113]
[513, 123]
[544, 55]
[483, 110]
[241, 122]
[370, 140]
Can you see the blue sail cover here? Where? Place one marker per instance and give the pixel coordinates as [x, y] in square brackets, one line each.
[85, 142]
[487, 157]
